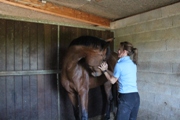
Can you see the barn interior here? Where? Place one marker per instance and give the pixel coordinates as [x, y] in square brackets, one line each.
[33, 33]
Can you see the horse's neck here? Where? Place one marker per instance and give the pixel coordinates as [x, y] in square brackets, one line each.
[78, 53]
[112, 60]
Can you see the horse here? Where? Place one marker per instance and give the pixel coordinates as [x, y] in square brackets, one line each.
[80, 72]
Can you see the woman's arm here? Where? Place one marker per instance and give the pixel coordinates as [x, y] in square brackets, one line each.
[107, 73]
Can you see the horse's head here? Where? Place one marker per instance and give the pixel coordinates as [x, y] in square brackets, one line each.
[95, 50]
[94, 57]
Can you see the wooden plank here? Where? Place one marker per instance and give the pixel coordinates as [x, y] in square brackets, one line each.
[18, 45]
[3, 100]
[83, 31]
[76, 35]
[54, 47]
[29, 72]
[71, 34]
[10, 44]
[73, 31]
[98, 34]
[107, 35]
[41, 46]
[33, 46]
[64, 37]
[26, 98]
[26, 45]
[47, 38]
[62, 48]
[3, 44]
[10, 97]
[54, 98]
[110, 34]
[47, 97]
[91, 32]
[18, 84]
[41, 100]
[61, 11]
[34, 97]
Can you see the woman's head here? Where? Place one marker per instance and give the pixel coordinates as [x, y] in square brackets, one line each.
[127, 49]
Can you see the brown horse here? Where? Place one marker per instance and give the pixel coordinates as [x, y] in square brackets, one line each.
[80, 71]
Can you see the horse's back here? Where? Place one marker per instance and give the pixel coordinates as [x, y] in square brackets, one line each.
[90, 41]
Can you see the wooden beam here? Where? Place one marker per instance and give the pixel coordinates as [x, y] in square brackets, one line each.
[61, 11]
[30, 72]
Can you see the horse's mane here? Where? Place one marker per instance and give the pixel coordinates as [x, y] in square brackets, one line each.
[90, 41]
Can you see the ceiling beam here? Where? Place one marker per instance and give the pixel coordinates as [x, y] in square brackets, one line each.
[61, 11]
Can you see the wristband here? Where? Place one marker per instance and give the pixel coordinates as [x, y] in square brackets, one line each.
[104, 71]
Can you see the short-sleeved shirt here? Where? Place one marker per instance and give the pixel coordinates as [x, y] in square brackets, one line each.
[126, 72]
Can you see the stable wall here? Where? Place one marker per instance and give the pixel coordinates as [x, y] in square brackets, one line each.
[156, 34]
[30, 64]
[31, 45]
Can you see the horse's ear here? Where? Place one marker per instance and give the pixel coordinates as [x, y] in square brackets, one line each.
[109, 39]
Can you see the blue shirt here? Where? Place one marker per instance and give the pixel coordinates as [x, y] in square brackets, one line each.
[126, 72]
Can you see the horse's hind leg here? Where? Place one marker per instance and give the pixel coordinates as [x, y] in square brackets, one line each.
[74, 99]
[108, 87]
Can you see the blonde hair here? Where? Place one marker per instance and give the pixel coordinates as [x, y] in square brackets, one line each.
[131, 50]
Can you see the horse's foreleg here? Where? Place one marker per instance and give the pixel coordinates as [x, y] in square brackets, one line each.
[109, 96]
[74, 99]
[84, 104]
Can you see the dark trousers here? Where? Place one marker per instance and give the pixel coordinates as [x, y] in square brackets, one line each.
[128, 106]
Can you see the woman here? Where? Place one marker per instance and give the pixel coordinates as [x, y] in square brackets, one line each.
[125, 74]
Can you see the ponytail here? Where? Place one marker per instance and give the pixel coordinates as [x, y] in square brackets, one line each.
[135, 55]
[131, 50]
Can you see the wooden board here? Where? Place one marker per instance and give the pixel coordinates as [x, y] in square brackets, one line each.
[61, 11]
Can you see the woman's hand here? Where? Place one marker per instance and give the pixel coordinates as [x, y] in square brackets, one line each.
[107, 73]
[103, 66]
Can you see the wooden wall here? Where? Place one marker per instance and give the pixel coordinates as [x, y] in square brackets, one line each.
[30, 60]
[27, 49]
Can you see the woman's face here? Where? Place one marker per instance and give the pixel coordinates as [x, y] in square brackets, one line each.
[121, 52]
